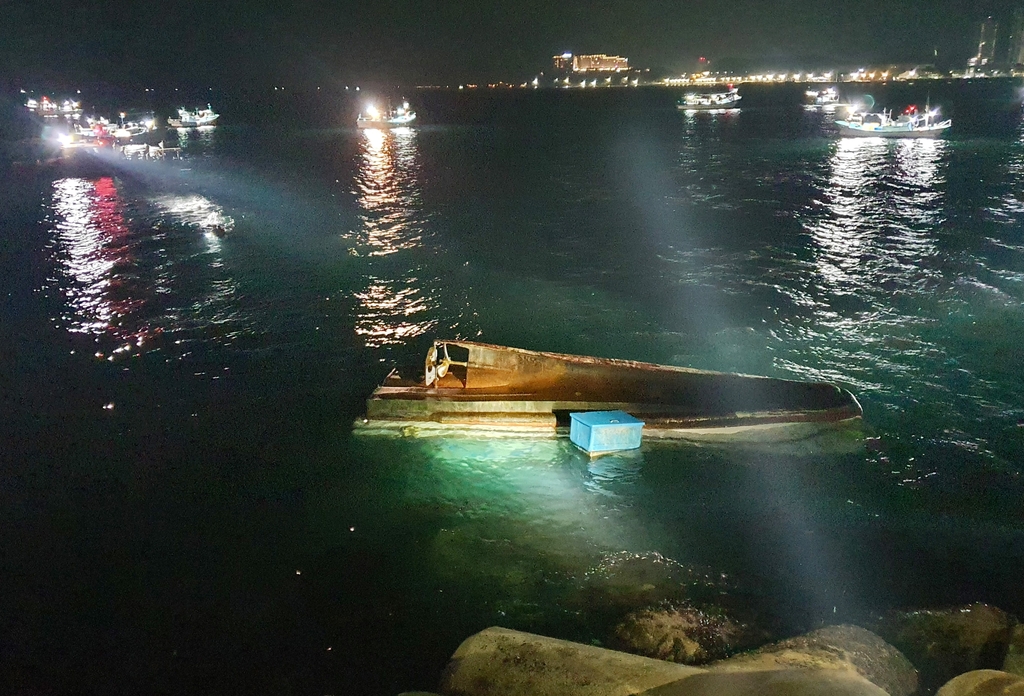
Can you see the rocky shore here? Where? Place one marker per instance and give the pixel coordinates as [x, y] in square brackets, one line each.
[974, 650]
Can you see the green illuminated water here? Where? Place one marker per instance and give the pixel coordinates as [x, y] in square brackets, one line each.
[218, 529]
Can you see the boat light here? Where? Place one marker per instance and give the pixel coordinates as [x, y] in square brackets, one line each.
[371, 110]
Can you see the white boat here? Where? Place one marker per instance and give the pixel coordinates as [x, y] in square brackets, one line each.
[391, 118]
[696, 101]
[45, 106]
[823, 97]
[194, 119]
[94, 129]
[129, 130]
[909, 124]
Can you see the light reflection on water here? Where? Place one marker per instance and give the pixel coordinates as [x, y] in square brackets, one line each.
[204, 136]
[387, 191]
[198, 211]
[388, 312]
[701, 165]
[876, 268]
[96, 254]
[392, 310]
[127, 276]
[881, 201]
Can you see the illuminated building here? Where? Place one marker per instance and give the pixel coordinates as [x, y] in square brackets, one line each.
[599, 62]
[986, 44]
[1015, 40]
[562, 63]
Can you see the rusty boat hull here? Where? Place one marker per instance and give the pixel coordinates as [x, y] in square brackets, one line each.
[501, 391]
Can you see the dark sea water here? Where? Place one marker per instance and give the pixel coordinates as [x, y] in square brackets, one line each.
[184, 508]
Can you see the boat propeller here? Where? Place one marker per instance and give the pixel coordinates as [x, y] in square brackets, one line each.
[437, 370]
[430, 374]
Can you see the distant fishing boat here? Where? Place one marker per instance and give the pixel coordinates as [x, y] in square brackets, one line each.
[696, 101]
[823, 97]
[128, 131]
[499, 390]
[194, 119]
[45, 106]
[389, 118]
[909, 124]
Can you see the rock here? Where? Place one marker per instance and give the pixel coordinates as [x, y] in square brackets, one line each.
[682, 634]
[1014, 662]
[946, 642]
[848, 649]
[984, 682]
[502, 662]
[778, 682]
[628, 581]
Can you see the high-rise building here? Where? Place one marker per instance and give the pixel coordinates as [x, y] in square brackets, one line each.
[599, 62]
[562, 63]
[1015, 39]
[986, 44]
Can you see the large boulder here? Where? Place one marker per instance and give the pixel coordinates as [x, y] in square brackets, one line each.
[1014, 662]
[779, 682]
[503, 662]
[984, 682]
[683, 634]
[943, 643]
[628, 581]
[847, 649]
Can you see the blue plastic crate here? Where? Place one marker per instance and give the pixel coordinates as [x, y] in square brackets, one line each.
[604, 431]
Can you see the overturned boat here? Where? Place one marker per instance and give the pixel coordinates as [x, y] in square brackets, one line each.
[469, 386]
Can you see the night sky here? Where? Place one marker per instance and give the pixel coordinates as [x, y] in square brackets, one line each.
[314, 42]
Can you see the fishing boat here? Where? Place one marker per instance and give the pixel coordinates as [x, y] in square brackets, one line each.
[95, 128]
[909, 124]
[470, 386]
[46, 107]
[696, 101]
[823, 97]
[194, 119]
[130, 130]
[390, 118]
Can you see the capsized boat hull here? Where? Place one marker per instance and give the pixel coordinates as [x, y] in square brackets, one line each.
[510, 391]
